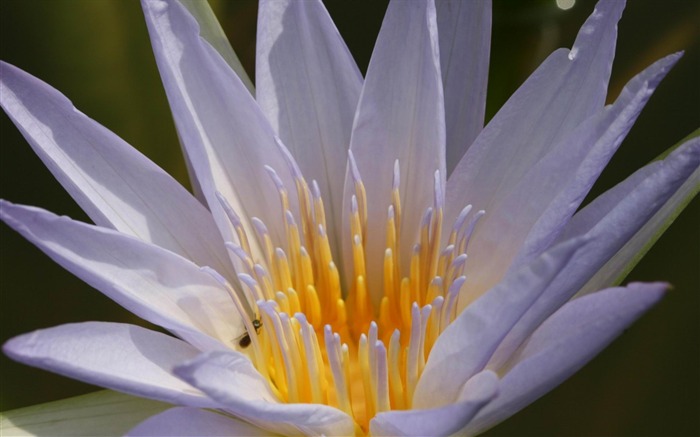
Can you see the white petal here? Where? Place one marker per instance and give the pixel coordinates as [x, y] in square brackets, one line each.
[231, 379]
[193, 422]
[618, 224]
[227, 138]
[117, 356]
[564, 91]
[467, 344]
[400, 116]
[211, 31]
[116, 185]
[565, 343]
[465, 44]
[308, 86]
[447, 420]
[103, 413]
[154, 284]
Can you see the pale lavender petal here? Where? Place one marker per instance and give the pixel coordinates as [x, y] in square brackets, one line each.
[227, 138]
[102, 413]
[192, 422]
[400, 116]
[467, 344]
[563, 344]
[308, 86]
[157, 285]
[117, 356]
[465, 44]
[441, 421]
[663, 187]
[231, 379]
[115, 185]
[565, 90]
[566, 174]
[211, 31]
[527, 220]
[613, 223]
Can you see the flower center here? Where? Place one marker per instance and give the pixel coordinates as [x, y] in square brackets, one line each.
[317, 342]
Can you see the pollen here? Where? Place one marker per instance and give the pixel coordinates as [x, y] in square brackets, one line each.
[319, 339]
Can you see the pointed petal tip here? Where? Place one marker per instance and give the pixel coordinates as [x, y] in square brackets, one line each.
[657, 71]
[609, 8]
[12, 347]
[656, 289]
[677, 55]
[19, 216]
[605, 16]
[668, 61]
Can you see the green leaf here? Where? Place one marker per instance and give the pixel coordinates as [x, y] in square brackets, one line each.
[103, 413]
[213, 33]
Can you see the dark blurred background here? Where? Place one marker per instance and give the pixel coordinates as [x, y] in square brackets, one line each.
[97, 52]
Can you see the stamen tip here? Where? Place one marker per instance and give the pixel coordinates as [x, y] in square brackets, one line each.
[316, 190]
[237, 250]
[353, 167]
[247, 279]
[427, 216]
[259, 225]
[280, 253]
[275, 177]
[301, 318]
[460, 259]
[260, 270]
[457, 284]
[291, 162]
[289, 217]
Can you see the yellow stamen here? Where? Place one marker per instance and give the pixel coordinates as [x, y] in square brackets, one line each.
[395, 367]
[362, 365]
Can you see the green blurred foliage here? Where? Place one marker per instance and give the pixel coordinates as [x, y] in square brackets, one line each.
[97, 53]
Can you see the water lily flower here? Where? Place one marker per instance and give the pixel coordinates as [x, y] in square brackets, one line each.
[361, 255]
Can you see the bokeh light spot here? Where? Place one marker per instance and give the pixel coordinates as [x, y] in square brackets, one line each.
[565, 4]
